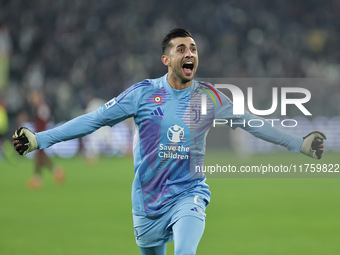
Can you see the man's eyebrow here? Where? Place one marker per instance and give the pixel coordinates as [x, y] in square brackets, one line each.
[182, 44]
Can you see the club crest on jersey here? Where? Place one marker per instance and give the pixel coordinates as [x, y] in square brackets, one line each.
[196, 113]
[157, 99]
[175, 133]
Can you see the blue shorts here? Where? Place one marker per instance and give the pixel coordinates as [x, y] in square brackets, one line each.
[155, 231]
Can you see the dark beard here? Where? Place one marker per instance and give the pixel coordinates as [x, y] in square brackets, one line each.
[184, 80]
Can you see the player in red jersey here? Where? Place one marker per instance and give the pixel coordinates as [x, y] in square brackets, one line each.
[41, 118]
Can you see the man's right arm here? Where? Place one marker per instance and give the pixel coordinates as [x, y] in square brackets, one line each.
[111, 113]
[25, 141]
[75, 128]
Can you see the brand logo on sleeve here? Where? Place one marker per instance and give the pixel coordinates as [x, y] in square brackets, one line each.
[110, 103]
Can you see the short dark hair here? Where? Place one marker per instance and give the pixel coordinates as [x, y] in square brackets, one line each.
[174, 33]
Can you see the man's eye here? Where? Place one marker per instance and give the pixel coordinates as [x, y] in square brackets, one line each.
[181, 50]
[193, 49]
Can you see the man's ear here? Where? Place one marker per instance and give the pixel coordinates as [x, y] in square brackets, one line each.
[166, 60]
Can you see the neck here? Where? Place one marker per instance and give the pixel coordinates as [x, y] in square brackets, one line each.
[176, 83]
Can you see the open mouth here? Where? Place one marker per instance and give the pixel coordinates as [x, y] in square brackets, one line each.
[188, 67]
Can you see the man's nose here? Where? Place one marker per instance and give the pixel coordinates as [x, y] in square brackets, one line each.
[189, 54]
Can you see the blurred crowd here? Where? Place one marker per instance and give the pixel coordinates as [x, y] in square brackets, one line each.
[74, 51]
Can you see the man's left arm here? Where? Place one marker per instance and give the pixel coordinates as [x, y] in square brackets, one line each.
[311, 145]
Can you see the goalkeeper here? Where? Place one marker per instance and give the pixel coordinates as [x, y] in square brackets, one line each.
[168, 201]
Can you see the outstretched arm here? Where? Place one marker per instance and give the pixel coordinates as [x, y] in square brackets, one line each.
[271, 134]
[25, 141]
[311, 145]
[75, 128]
[112, 112]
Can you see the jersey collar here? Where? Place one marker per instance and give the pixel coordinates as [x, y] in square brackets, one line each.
[179, 94]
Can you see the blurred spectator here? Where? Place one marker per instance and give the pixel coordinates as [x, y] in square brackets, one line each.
[41, 119]
[5, 49]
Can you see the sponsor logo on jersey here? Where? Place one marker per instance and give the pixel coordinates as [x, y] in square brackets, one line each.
[158, 112]
[175, 133]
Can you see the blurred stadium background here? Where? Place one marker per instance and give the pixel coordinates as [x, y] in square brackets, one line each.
[81, 53]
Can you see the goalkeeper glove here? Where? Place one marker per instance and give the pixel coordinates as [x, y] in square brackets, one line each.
[312, 145]
[24, 141]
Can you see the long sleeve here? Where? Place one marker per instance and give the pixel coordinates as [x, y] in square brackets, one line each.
[75, 128]
[271, 134]
[112, 112]
[266, 131]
